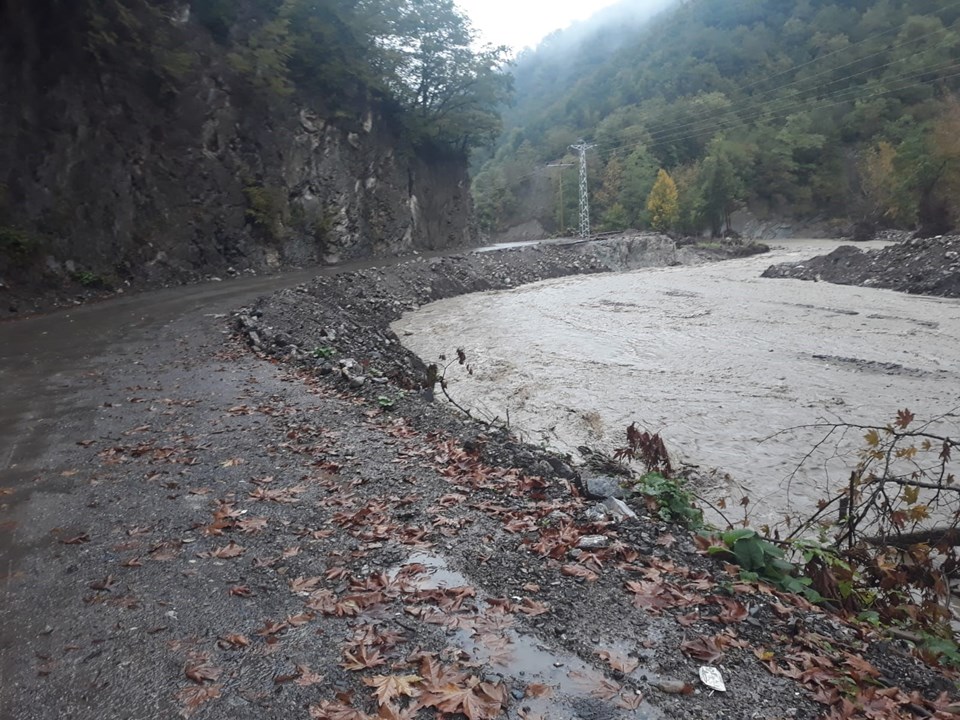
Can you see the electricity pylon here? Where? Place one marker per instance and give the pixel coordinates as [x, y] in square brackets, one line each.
[584, 194]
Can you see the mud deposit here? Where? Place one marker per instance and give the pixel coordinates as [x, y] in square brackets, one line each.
[713, 356]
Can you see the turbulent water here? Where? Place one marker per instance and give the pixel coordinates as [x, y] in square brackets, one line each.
[714, 357]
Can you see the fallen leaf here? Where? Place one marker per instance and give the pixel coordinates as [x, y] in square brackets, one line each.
[298, 620]
[307, 677]
[388, 687]
[666, 540]
[596, 684]
[327, 710]
[104, 585]
[193, 696]
[272, 628]
[200, 670]
[234, 640]
[579, 571]
[538, 690]
[227, 552]
[305, 585]
[618, 662]
[251, 525]
[629, 701]
[241, 591]
[362, 659]
[705, 649]
[532, 607]
[77, 539]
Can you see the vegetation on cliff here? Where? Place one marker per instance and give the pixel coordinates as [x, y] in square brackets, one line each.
[418, 57]
[801, 108]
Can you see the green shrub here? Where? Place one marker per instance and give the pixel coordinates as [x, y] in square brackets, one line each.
[674, 502]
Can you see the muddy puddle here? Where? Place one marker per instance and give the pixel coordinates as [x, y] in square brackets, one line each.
[546, 683]
[714, 357]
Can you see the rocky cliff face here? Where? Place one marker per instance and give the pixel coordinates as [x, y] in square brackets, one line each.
[109, 171]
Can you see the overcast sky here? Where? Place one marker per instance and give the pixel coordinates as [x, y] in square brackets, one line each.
[522, 23]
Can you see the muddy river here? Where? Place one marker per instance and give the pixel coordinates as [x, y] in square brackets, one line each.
[715, 358]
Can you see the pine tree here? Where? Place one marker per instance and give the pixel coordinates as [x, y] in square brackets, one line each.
[663, 205]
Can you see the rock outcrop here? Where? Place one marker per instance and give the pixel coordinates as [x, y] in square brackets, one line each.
[114, 172]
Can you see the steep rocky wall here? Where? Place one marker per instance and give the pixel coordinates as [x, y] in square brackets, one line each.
[115, 173]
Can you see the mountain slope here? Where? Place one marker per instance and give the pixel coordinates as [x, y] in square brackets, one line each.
[799, 108]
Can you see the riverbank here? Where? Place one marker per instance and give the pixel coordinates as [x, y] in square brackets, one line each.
[227, 536]
[919, 266]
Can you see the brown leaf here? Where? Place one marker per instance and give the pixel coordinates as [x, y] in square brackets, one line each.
[596, 684]
[234, 640]
[705, 649]
[241, 591]
[298, 620]
[579, 571]
[251, 525]
[193, 696]
[629, 701]
[200, 670]
[532, 607]
[328, 710]
[538, 690]
[731, 611]
[392, 712]
[307, 677]
[388, 687]
[305, 585]
[77, 539]
[272, 628]
[477, 700]
[619, 662]
[666, 540]
[363, 659]
[227, 552]
[104, 585]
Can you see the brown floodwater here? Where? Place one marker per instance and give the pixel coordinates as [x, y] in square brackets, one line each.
[714, 357]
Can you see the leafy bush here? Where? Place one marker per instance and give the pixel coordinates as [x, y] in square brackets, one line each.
[670, 499]
[760, 559]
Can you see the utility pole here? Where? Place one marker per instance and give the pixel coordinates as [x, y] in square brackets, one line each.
[561, 165]
[584, 194]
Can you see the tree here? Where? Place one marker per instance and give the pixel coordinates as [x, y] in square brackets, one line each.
[452, 89]
[720, 189]
[879, 185]
[663, 204]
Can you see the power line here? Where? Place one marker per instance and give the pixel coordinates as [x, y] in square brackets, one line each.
[867, 39]
[839, 98]
[754, 106]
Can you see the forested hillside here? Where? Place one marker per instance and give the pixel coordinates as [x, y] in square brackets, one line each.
[167, 139]
[793, 108]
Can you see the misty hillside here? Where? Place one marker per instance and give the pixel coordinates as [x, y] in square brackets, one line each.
[799, 109]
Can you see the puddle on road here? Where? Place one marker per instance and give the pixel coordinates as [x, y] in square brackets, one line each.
[523, 661]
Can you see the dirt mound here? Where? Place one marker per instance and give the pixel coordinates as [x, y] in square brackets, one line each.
[922, 266]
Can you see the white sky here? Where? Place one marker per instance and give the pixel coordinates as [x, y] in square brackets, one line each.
[523, 23]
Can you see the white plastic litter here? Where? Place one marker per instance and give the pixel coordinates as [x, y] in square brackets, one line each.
[712, 678]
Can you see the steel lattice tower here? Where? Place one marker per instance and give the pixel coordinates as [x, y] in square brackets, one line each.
[584, 192]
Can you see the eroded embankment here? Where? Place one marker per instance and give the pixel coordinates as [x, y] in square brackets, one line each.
[348, 316]
[922, 266]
